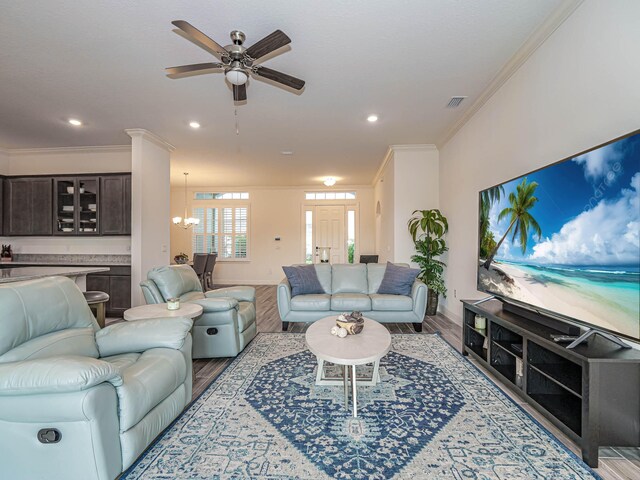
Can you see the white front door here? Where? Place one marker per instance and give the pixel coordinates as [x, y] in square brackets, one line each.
[329, 231]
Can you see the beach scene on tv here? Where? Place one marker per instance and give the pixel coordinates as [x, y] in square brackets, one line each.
[567, 238]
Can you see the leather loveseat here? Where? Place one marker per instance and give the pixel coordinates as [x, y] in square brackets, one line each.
[228, 322]
[351, 287]
[77, 402]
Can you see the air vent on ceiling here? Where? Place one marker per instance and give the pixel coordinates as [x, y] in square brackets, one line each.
[455, 102]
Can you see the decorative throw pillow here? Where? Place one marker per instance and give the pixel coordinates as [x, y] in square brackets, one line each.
[303, 280]
[397, 280]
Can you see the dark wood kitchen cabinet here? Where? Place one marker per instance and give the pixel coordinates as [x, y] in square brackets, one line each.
[28, 203]
[115, 205]
[117, 284]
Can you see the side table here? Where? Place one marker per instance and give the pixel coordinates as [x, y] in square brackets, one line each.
[159, 310]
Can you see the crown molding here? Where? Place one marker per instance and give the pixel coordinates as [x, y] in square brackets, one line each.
[535, 40]
[400, 148]
[53, 150]
[152, 137]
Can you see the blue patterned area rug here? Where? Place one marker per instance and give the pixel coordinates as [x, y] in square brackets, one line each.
[434, 415]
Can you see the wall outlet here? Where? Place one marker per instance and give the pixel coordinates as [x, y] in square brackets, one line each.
[164, 249]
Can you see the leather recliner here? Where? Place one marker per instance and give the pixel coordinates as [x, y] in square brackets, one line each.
[78, 402]
[228, 322]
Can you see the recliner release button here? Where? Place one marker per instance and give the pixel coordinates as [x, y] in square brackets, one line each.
[49, 435]
[212, 331]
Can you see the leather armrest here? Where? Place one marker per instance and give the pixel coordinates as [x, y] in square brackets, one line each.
[284, 298]
[242, 294]
[66, 373]
[220, 304]
[142, 335]
[419, 296]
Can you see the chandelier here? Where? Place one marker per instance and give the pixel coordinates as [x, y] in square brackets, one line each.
[185, 222]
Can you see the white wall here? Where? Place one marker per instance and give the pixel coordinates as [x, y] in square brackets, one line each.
[408, 181]
[273, 212]
[150, 206]
[58, 161]
[579, 89]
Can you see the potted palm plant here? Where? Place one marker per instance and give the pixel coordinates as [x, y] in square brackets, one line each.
[427, 229]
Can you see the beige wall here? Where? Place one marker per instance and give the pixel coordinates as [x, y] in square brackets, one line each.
[408, 181]
[384, 220]
[579, 89]
[416, 188]
[54, 161]
[273, 212]
[44, 161]
[4, 162]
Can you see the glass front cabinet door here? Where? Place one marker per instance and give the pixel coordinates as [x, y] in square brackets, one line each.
[76, 205]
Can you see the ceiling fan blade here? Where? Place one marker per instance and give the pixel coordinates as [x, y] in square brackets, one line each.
[267, 45]
[195, 67]
[198, 36]
[239, 93]
[279, 77]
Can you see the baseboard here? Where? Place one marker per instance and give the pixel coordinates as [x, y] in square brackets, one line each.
[450, 315]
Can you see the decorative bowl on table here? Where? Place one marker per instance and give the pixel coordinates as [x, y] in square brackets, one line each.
[352, 322]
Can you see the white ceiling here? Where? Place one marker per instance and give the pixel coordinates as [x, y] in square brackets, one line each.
[103, 61]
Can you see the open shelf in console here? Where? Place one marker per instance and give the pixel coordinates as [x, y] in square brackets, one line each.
[560, 370]
[555, 399]
[475, 339]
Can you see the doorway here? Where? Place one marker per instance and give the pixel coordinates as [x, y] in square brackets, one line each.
[330, 226]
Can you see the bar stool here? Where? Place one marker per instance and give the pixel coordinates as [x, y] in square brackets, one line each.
[98, 301]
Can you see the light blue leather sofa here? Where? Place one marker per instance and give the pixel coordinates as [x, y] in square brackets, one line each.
[351, 287]
[77, 402]
[228, 322]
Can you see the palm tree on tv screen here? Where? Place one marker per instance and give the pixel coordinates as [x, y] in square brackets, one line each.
[521, 221]
[488, 198]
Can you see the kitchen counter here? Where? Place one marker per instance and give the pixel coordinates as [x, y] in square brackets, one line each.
[78, 274]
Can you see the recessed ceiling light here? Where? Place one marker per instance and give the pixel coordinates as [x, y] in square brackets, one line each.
[74, 122]
[194, 125]
[372, 118]
[329, 181]
[286, 152]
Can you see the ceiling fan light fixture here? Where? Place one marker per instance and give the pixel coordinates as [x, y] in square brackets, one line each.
[236, 76]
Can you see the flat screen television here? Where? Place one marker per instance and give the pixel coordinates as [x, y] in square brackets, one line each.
[565, 240]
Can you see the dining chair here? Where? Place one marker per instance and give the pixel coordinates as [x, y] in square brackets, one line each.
[199, 264]
[207, 283]
[368, 258]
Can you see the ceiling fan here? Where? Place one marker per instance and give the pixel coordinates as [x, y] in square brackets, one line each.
[238, 61]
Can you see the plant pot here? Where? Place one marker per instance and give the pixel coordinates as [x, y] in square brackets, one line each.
[432, 302]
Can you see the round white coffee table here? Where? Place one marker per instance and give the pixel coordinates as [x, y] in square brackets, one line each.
[159, 310]
[369, 346]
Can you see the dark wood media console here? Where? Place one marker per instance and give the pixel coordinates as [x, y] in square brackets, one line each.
[590, 392]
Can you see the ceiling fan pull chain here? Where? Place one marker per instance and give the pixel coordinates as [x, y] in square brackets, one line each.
[237, 126]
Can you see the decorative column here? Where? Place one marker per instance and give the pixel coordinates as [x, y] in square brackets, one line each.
[150, 206]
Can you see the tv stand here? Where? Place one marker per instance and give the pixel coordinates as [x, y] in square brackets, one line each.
[486, 299]
[585, 336]
[590, 391]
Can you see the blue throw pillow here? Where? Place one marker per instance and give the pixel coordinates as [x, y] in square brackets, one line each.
[398, 280]
[303, 280]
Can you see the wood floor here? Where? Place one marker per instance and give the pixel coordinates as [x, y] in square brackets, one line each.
[615, 463]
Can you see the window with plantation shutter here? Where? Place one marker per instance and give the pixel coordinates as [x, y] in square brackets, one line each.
[223, 230]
